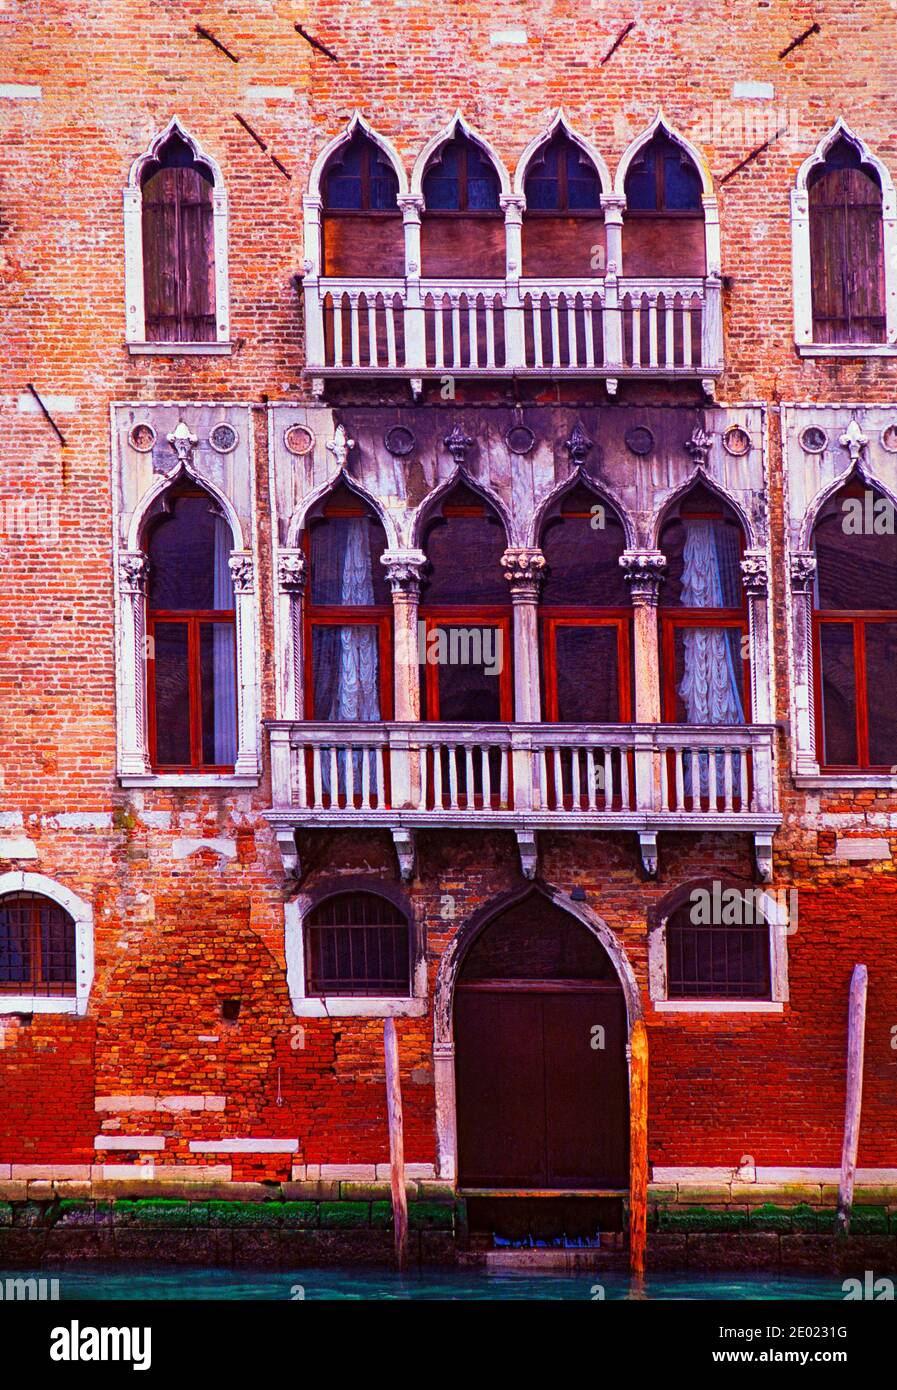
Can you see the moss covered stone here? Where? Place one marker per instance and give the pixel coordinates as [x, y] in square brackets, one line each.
[699, 1219]
[344, 1216]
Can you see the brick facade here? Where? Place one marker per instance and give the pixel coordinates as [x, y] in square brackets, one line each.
[186, 884]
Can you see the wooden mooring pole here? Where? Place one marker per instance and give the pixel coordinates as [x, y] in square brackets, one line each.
[638, 1150]
[396, 1142]
[853, 1103]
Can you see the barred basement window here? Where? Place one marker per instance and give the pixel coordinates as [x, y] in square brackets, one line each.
[357, 944]
[37, 946]
[726, 958]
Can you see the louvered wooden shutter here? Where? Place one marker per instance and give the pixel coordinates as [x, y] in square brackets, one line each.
[178, 257]
[847, 260]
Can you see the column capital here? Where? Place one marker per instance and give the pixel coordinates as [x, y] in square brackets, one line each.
[803, 571]
[291, 571]
[412, 205]
[241, 572]
[755, 573]
[133, 568]
[404, 571]
[613, 205]
[643, 571]
[513, 205]
[524, 568]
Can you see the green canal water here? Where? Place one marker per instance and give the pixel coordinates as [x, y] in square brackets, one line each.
[146, 1283]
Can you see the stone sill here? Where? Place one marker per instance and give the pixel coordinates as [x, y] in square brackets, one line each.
[180, 349]
[847, 349]
[337, 1007]
[832, 781]
[718, 1006]
[174, 779]
[39, 1004]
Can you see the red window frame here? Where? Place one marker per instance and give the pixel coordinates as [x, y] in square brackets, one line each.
[462, 616]
[193, 620]
[618, 618]
[858, 619]
[378, 616]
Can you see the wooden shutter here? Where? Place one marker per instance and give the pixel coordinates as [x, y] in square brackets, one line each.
[178, 257]
[160, 256]
[846, 255]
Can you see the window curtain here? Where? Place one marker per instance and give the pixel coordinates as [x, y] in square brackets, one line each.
[710, 688]
[224, 655]
[346, 658]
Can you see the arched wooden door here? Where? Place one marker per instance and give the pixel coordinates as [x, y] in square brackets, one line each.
[540, 1045]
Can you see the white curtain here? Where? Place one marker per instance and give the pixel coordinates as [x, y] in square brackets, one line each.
[710, 688]
[224, 655]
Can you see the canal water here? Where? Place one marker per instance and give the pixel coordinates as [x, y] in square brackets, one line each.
[146, 1283]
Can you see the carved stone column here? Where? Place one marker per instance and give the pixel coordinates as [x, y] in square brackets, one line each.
[644, 573]
[291, 577]
[242, 573]
[755, 577]
[412, 205]
[524, 569]
[404, 569]
[803, 576]
[133, 568]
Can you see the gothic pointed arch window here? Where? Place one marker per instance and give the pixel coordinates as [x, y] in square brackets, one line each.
[465, 614]
[586, 613]
[846, 248]
[361, 224]
[463, 224]
[855, 629]
[178, 245]
[191, 632]
[663, 227]
[348, 613]
[563, 225]
[704, 620]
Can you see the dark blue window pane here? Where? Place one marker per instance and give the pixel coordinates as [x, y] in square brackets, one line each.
[583, 186]
[681, 184]
[641, 184]
[482, 181]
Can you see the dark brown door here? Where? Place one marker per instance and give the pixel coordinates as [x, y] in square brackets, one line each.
[542, 1085]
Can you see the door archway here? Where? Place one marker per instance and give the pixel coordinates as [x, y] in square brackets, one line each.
[539, 1007]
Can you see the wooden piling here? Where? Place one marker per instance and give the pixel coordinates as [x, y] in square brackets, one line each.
[853, 1102]
[638, 1149]
[396, 1142]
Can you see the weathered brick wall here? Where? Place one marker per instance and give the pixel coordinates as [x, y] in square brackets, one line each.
[176, 936]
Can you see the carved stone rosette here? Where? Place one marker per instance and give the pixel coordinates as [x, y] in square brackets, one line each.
[133, 568]
[240, 565]
[803, 571]
[524, 568]
[404, 570]
[755, 573]
[291, 571]
[643, 571]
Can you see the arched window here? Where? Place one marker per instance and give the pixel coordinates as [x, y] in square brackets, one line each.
[463, 225]
[855, 629]
[586, 614]
[662, 185]
[846, 248]
[178, 246]
[361, 222]
[704, 614]
[348, 613]
[563, 226]
[192, 661]
[465, 615]
[357, 944]
[718, 946]
[37, 947]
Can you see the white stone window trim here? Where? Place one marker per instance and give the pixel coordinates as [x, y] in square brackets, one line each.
[81, 912]
[800, 253]
[776, 915]
[132, 197]
[305, 1005]
[134, 766]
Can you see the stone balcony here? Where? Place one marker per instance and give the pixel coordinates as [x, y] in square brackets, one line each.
[524, 778]
[602, 328]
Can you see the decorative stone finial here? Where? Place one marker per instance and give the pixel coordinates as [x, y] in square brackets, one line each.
[340, 446]
[578, 445]
[458, 444]
[854, 441]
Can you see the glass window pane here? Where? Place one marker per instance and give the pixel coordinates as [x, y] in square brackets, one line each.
[57, 945]
[856, 553]
[172, 694]
[218, 693]
[345, 563]
[641, 188]
[881, 665]
[681, 184]
[345, 672]
[465, 562]
[470, 661]
[838, 695]
[588, 677]
[188, 554]
[15, 941]
[709, 675]
[583, 561]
